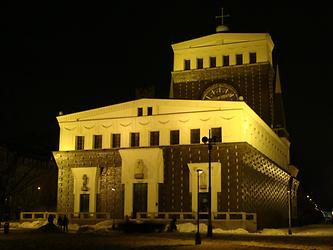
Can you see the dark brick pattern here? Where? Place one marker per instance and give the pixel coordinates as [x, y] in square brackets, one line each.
[250, 181]
[109, 171]
[252, 81]
[264, 189]
[174, 195]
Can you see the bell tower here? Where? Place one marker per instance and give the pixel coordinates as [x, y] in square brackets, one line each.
[226, 67]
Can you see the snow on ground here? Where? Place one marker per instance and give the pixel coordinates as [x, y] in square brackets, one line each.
[106, 226]
[192, 228]
[311, 230]
[28, 225]
[103, 226]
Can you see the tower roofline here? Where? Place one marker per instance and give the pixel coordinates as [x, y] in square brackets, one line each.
[223, 38]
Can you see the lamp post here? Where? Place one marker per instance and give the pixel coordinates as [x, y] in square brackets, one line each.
[197, 235]
[209, 141]
[114, 208]
[38, 205]
[289, 204]
[289, 213]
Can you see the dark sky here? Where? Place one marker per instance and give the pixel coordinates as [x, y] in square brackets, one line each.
[61, 56]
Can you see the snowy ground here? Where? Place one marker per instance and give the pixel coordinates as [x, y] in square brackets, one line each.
[27, 236]
[106, 226]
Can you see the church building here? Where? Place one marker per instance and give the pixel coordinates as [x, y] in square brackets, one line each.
[146, 158]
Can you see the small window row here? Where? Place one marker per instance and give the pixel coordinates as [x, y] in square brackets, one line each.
[154, 139]
[149, 111]
[225, 61]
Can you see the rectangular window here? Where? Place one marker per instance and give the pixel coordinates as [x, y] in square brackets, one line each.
[154, 138]
[135, 139]
[97, 142]
[79, 143]
[174, 137]
[187, 64]
[115, 140]
[212, 62]
[253, 57]
[150, 111]
[225, 61]
[216, 134]
[199, 63]
[140, 111]
[195, 136]
[239, 59]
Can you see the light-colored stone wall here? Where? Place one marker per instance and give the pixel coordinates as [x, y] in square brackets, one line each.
[220, 44]
[239, 123]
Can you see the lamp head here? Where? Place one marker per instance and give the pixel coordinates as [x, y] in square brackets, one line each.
[204, 139]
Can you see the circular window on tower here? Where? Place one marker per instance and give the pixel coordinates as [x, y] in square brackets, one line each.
[220, 92]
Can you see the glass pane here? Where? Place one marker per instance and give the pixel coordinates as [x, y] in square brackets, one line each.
[195, 136]
[174, 137]
[212, 61]
[115, 141]
[135, 137]
[140, 111]
[225, 60]
[97, 141]
[239, 59]
[154, 138]
[199, 63]
[217, 134]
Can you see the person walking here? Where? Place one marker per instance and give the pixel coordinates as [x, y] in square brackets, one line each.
[50, 219]
[60, 222]
[65, 223]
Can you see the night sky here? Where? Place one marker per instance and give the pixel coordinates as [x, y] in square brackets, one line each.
[60, 56]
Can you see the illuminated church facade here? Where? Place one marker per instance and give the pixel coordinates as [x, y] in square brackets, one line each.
[143, 156]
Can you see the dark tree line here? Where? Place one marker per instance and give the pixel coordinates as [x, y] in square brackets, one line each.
[28, 182]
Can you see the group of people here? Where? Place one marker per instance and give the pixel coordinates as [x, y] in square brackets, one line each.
[63, 223]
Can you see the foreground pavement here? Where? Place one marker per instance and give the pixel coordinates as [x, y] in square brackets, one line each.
[34, 239]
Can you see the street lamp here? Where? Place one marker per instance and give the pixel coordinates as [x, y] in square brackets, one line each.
[289, 213]
[197, 235]
[209, 141]
[38, 203]
[114, 208]
[289, 204]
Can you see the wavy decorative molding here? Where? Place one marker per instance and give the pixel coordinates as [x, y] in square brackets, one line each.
[144, 123]
[106, 126]
[86, 127]
[227, 118]
[204, 119]
[125, 125]
[70, 129]
[163, 122]
[184, 120]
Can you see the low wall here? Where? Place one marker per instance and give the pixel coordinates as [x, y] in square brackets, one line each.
[223, 220]
[31, 216]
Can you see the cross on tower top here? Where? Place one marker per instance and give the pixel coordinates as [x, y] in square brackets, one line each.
[222, 27]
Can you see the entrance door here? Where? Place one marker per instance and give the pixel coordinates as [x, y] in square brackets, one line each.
[203, 204]
[84, 203]
[139, 198]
